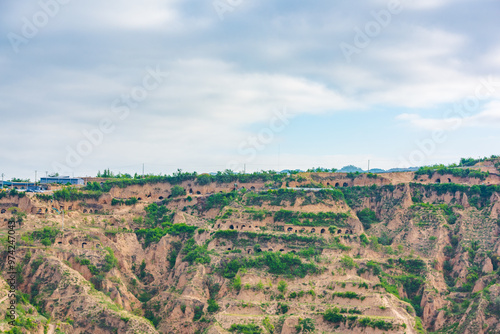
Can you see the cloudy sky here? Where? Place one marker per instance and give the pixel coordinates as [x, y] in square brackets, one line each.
[210, 85]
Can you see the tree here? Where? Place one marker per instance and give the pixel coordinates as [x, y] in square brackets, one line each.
[204, 179]
[178, 191]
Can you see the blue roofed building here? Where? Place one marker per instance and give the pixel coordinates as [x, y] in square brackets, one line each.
[62, 180]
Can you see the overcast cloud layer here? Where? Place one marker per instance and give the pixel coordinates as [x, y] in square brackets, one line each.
[203, 85]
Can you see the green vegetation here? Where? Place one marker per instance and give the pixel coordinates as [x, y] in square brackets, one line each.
[237, 282]
[154, 235]
[321, 170]
[473, 162]
[282, 286]
[128, 201]
[212, 306]
[412, 282]
[452, 170]
[110, 260]
[333, 315]
[354, 195]
[311, 219]
[290, 196]
[276, 263]
[447, 210]
[258, 214]
[237, 237]
[47, 235]
[374, 323]
[172, 257]
[198, 312]
[220, 200]
[73, 194]
[305, 326]
[245, 329]
[479, 195]
[159, 218]
[348, 262]
[177, 191]
[12, 193]
[367, 217]
[348, 295]
[195, 253]
[157, 215]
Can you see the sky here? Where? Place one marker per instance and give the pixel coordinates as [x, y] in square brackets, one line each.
[245, 85]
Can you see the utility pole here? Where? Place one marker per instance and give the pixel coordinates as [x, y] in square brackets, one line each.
[143, 170]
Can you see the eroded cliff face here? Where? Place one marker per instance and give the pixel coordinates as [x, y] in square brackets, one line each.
[389, 253]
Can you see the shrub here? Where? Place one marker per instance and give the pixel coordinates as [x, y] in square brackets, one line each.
[245, 329]
[131, 201]
[348, 262]
[282, 286]
[306, 325]
[380, 324]
[212, 306]
[47, 235]
[347, 294]
[198, 313]
[268, 325]
[237, 283]
[46, 242]
[333, 315]
[282, 308]
[364, 239]
[110, 260]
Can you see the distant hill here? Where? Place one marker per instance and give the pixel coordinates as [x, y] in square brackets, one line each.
[377, 170]
[350, 169]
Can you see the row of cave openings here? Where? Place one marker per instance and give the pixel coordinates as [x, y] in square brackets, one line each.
[84, 244]
[439, 180]
[41, 211]
[190, 191]
[337, 185]
[291, 230]
[231, 227]
[259, 250]
[313, 230]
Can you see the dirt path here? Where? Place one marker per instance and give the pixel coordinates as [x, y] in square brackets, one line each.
[52, 329]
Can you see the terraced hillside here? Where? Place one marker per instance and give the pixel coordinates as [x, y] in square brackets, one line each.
[257, 253]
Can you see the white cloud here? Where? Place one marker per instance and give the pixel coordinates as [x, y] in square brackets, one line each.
[489, 117]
